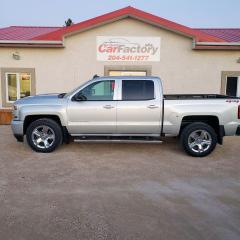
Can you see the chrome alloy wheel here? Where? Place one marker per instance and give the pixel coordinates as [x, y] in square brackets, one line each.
[43, 137]
[199, 141]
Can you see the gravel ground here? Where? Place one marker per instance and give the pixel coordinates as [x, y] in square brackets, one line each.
[118, 191]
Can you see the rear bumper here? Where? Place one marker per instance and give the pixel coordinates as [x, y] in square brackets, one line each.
[17, 129]
[238, 131]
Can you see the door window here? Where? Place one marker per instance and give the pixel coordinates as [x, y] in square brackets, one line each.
[137, 90]
[101, 91]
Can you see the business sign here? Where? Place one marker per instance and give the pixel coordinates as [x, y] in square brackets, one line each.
[136, 49]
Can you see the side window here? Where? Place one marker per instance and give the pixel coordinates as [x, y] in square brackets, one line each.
[137, 90]
[103, 90]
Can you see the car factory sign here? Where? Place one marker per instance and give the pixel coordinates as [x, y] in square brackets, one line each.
[140, 49]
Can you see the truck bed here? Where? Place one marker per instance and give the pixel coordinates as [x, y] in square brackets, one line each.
[196, 96]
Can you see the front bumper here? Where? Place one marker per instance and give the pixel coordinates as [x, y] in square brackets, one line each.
[238, 131]
[17, 129]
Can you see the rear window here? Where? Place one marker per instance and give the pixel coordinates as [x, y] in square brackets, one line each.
[137, 90]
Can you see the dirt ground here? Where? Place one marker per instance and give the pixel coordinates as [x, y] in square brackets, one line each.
[118, 191]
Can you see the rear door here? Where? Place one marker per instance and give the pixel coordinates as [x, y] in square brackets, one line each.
[139, 108]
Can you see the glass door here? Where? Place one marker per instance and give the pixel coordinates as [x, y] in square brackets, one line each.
[233, 86]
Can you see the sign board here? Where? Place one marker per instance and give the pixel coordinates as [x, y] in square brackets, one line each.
[136, 49]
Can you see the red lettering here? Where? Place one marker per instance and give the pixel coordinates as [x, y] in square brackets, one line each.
[102, 48]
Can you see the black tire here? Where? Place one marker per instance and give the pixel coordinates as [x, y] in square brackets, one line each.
[195, 129]
[53, 127]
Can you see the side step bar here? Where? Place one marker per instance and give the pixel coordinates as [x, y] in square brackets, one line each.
[116, 141]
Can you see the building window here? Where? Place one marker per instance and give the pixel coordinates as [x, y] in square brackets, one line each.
[16, 83]
[127, 70]
[137, 90]
[127, 73]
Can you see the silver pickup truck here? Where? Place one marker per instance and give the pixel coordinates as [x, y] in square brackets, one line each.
[131, 109]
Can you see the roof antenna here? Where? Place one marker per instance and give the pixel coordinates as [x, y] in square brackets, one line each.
[95, 76]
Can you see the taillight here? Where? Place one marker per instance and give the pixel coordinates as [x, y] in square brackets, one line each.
[238, 111]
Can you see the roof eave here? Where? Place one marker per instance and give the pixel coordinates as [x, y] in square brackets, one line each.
[30, 43]
[216, 47]
[218, 43]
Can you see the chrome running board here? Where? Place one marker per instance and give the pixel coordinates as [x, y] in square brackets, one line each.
[116, 141]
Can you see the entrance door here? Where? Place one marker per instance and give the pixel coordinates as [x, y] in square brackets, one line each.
[233, 86]
[94, 111]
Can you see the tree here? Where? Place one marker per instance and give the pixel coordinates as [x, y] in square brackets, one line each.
[69, 22]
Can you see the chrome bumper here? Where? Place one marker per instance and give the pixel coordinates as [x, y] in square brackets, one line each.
[17, 129]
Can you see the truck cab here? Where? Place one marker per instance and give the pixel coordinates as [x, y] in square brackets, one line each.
[116, 106]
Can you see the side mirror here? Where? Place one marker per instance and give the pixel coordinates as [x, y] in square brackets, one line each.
[79, 97]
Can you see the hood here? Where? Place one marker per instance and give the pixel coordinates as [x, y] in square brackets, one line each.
[40, 99]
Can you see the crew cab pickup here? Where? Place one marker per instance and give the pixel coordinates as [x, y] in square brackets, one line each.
[131, 109]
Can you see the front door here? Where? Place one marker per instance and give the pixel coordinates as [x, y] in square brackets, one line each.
[233, 86]
[96, 112]
[140, 108]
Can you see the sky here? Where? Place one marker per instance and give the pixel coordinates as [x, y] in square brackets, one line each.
[192, 13]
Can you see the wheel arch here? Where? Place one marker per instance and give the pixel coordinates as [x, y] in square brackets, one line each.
[31, 118]
[211, 120]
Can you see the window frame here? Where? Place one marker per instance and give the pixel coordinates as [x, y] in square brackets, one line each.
[6, 104]
[121, 91]
[18, 76]
[225, 75]
[95, 82]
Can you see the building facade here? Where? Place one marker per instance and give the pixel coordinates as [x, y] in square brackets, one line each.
[36, 60]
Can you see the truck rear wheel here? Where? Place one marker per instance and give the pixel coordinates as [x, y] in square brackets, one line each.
[198, 139]
[44, 135]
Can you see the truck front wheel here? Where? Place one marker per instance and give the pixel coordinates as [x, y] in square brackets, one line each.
[44, 135]
[198, 139]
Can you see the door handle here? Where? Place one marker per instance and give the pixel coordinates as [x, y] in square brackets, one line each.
[108, 106]
[152, 106]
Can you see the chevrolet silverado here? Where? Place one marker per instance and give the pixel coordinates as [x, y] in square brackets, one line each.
[126, 109]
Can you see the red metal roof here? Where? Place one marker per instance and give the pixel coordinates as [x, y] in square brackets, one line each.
[227, 34]
[134, 13]
[24, 32]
